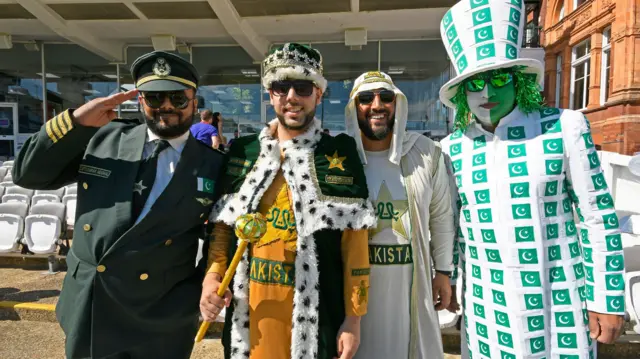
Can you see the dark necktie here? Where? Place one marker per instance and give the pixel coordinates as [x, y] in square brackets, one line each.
[146, 177]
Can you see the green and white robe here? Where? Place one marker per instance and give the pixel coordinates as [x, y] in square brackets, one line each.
[530, 273]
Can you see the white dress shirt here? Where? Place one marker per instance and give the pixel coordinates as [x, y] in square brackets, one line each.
[167, 162]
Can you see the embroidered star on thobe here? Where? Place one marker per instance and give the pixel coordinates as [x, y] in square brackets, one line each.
[139, 187]
[390, 212]
[335, 161]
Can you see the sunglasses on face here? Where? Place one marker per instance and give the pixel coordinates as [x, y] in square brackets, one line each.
[367, 97]
[155, 100]
[497, 81]
[303, 88]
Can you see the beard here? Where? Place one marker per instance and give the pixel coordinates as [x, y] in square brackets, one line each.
[308, 118]
[168, 131]
[379, 134]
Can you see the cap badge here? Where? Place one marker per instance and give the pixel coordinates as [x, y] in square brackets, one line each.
[161, 68]
[371, 74]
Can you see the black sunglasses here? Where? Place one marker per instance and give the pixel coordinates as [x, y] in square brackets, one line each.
[177, 98]
[303, 88]
[367, 97]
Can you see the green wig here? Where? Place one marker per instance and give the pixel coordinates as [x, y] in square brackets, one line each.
[528, 97]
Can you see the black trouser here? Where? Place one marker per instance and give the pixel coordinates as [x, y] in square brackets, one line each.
[177, 346]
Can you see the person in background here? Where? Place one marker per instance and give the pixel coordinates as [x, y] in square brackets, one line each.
[326, 131]
[205, 131]
[221, 141]
[236, 134]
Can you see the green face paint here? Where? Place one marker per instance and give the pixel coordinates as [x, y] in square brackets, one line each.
[491, 96]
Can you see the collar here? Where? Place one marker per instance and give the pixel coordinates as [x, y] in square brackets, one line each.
[177, 143]
[308, 139]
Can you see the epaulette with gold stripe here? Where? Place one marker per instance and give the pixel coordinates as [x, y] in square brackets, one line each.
[59, 126]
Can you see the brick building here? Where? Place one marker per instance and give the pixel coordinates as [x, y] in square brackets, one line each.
[591, 66]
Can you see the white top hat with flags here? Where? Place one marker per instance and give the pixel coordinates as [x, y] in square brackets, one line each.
[482, 35]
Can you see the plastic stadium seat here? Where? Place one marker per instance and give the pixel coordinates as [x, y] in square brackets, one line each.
[3, 172]
[8, 164]
[8, 178]
[17, 194]
[20, 190]
[42, 228]
[632, 282]
[71, 189]
[58, 192]
[7, 184]
[16, 197]
[47, 196]
[11, 225]
[70, 201]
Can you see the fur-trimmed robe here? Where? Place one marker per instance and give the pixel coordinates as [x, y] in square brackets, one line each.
[324, 199]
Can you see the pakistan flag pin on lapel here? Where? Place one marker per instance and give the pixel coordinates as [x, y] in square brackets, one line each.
[205, 185]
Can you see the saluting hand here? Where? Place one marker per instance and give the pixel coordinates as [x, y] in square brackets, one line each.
[99, 111]
[211, 303]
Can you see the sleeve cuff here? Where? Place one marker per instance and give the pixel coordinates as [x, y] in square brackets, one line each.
[217, 268]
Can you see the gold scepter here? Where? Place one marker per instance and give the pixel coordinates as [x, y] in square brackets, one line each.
[250, 228]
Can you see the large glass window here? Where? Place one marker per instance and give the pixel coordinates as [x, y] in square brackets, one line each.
[578, 3]
[419, 69]
[605, 81]
[20, 83]
[75, 76]
[230, 84]
[580, 74]
[341, 67]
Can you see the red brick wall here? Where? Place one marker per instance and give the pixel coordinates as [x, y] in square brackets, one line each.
[616, 124]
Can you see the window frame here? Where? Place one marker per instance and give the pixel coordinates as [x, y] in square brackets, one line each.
[578, 3]
[585, 61]
[606, 62]
[558, 94]
[561, 13]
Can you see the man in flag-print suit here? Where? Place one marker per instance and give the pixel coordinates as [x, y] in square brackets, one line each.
[536, 284]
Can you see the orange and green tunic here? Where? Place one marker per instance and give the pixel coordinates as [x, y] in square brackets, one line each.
[272, 272]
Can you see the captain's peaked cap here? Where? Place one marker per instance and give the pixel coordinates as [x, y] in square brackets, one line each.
[163, 71]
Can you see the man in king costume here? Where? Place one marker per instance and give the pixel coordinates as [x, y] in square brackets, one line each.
[535, 284]
[301, 290]
[409, 185]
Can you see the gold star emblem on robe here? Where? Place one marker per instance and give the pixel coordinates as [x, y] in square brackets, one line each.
[335, 161]
[390, 212]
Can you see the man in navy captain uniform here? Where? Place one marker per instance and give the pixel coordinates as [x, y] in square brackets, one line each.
[145, 189]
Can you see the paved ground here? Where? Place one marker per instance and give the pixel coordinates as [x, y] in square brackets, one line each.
[37, 340]
[30, 285]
